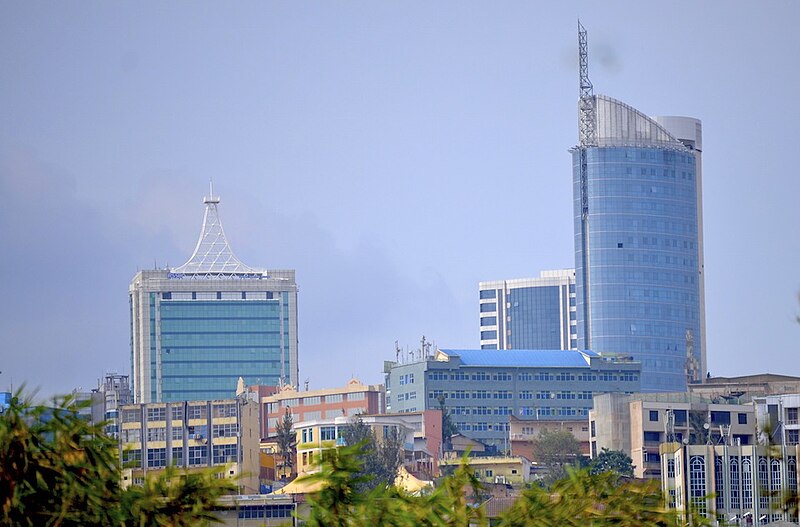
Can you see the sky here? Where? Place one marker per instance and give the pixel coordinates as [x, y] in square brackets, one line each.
[394, 153]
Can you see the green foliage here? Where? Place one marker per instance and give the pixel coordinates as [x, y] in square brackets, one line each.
[614, 461]
[449, 428]
[340, 504]
[380, 460]
[287, 440]
[557, 450]
[583, 499]
[58, 470]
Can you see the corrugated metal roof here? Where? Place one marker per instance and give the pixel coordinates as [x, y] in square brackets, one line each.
[530, 358]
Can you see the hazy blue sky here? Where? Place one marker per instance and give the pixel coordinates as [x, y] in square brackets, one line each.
[394, 153]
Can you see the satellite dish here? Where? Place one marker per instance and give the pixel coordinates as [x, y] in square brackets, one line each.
[685, 440]
[706, 426]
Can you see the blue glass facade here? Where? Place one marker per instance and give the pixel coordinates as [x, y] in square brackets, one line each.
[206, 345]
[534, 318]
[636, 257]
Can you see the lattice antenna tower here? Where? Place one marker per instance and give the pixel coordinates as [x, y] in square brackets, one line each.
[586, 103]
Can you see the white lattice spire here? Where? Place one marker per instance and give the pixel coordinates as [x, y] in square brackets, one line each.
[213, 256]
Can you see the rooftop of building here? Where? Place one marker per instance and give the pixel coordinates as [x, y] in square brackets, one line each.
[519, 358]
[758, 378]
[288, 391]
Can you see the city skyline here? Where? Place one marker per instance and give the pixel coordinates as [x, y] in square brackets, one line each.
[394, 156]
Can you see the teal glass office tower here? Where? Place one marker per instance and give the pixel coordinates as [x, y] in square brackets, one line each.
[197, 328]
[638, 238]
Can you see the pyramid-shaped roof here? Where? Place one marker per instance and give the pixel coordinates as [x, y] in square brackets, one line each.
[213, 256]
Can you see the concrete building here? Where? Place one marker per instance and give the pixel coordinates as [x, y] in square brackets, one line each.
[522, 431]
[733, 389]
[352, 399]
[529, 313]
[197, 328]
[777, 417]
[732, 484]
[193, 435]
[512, 470]
[481, 389]
[637, 205]
[421, 434]
[638, 423]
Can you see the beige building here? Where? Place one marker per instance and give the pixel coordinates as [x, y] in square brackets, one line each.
[638, 423]
[352, 399]
[193, 435]
[493, 469]
[740, 389]
[732, 484]
[522, 431]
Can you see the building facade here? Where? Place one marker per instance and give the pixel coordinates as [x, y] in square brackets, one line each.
[637, 205]
[529, 313]
[194, 435]
[197, 328]
[732, 484]
[481, 389]
[352, 399]
[638, 423]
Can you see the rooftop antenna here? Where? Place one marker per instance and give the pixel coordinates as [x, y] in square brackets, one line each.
[211, 198]
[586, 104]
[587, 138]
[397, 351]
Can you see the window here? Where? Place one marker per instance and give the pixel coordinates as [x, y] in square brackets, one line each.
[176, 413]
[327, 433]
[224, 454]
[132, 458]
[480, 394]
[224, 410]
[459, 376]
[438, 376]
[488, 307]
[720, 418]
[226, 430]
[488, 321]
[157, 434]
[792, 437]
[791, 416]
[481, 376]
[157, 457]
[670, 468]
[488, 293]
[435, 394]
[525, 395]
[197, 412]
[742, 419]
[131, 435]
[502, 394]
[358, 396]
[157, 414]
[501, 376]
[335, 398]
[131, 415]
[654, 416]
[652, 436]
[697, 483]
[307, 434]
[177, 456]
[525, 377]
[489, 335]
[308, 401]
[543, 395]
[198, 455]
[177, 433]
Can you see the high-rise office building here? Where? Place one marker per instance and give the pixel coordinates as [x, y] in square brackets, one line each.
[638, 237]
[529, 313]
[197, 328]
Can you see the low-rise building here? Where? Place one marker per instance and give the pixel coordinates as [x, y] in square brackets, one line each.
[352, 399]
[779, 418]
[420, 433]
[482, 389]
[193, 435]
[513, 470]
[523, 431]
[638, 423]
[732, 484]
[744, 387]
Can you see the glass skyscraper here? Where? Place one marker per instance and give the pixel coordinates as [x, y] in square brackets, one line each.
[638, 242]
[197, 328]
[638, 221]
[529, 313]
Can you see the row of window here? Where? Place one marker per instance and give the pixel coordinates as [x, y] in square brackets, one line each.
[176, 412]
[527, 376]
[315, 400]
[197, 456]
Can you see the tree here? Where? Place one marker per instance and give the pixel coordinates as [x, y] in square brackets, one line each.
[287, 441]
[614, 461]
[380, 459]
[57, 469]
[556, 450]
[449, 428]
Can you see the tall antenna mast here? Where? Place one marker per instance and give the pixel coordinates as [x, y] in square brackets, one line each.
[586, 134]
[586, 104]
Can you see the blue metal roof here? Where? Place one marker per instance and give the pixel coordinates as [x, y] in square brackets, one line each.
[526, 358]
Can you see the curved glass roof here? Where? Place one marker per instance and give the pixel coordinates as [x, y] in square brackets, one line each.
[524, 358]
[618, 124]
